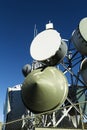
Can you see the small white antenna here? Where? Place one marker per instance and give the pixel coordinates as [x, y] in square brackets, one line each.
[49, 25]
[35, 31]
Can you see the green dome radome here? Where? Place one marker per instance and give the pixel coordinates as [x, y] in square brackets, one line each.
[44, 90]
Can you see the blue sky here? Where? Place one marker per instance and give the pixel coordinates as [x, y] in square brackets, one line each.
[17, 20]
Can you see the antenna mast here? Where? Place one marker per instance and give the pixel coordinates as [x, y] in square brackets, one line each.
[35, 31]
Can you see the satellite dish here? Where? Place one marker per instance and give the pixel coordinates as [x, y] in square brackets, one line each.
[45, 45]
[26, 69]
[44, 90]
[79, 37]
[83, 70]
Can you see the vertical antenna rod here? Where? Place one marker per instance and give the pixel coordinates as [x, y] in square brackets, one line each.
[35, 31]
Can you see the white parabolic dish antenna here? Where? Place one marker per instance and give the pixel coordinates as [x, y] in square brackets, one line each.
[45, 45]
[79, 37]
[83, 29]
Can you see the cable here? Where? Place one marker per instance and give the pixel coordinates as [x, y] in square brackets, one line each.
[28, 117]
